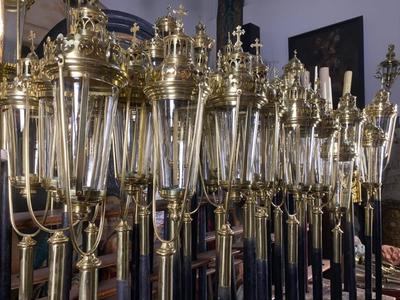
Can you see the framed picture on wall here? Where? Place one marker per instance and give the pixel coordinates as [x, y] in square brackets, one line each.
[340, 47]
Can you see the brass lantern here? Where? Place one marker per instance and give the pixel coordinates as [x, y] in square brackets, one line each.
[87, 68]
[372, 159]
[132, 149]
[231, 136]
[383, 113]
[177, 100]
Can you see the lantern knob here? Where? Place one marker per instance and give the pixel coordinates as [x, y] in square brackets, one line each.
[238, 33]
[388, 69]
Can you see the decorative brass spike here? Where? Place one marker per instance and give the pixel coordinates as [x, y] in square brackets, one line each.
[238, 33]
[180, 12]
[134, 29]
[257, 45]
[31, 38]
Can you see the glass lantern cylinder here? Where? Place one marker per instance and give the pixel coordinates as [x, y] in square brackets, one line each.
[373, 145]
[298, 139]
[87, 68]
[326, 139]
[132, 135]
[344, 154]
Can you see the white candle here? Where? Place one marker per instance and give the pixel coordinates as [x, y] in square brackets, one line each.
[347, 82]
[329, 100]
[323, 81]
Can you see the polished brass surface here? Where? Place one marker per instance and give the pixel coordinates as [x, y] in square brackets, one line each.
[144, 219]
[369, 218]
[337, 244]
[249, 210]
[26, 255]
[89, 50]
[165, 286]
[293, 231]
[278, 233]
[88, 283]
[57, 244]
[123, 233]
[261, 234]
[91, 234]
[187, 235]
[317, 223]
[225, 235]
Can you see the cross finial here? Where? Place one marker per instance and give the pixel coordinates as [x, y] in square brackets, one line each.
[31, 37]
[390, 54]
[295, 53]
[169, 9]
[257, 45]
[238, 33]
[180, 12]
[134, 29]
[155, 30]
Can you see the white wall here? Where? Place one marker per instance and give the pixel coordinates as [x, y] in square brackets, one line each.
[281, 19]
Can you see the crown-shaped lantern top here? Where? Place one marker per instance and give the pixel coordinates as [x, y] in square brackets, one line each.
[166, 25]
[202, 47]
[347, 111]
[373, 136]
[234, 72]
[297, 110]
[136, 69]
[388, 69]
[294, 67]
[174, 78]
[88, 49]
[154, 47]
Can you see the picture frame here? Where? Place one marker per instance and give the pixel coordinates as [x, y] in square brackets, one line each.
[340, 47]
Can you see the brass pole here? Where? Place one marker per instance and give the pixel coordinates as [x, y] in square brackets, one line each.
[302, 243]
[278, 254]
[173, 223]
[225, 262]
[144, 261]
[316, 224]
[187, 257]
[369, 213]
[165, 286]
[26, 247]
[122, 230]
[292, 286]
[249, 262]
[58, 245]
[91, 235]
[336, 280]
[262, 253]
[88, 270]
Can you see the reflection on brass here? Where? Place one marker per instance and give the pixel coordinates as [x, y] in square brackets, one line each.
[26, 247]
[57, 244]
[337, 243]
[165, 286]
[249, 209]
[317, 227]
[187, 234]
[225, 256]
[293, 233]
[356, 188]
[261, 233]
[369, 218]
[144, 215]
[278, 226]
[91, 235]
[88, 270]
[123, 232]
